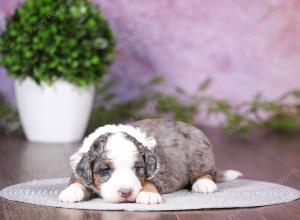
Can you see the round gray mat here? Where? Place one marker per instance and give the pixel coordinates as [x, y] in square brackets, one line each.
[237, 193]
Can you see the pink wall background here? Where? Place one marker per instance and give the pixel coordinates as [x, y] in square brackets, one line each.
[244, 46]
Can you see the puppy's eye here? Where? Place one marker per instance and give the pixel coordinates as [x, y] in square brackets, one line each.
[105, 171]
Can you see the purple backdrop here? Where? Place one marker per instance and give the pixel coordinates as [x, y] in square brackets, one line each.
[244, 46]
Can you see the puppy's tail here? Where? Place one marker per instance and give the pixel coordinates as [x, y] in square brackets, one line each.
[227, 175]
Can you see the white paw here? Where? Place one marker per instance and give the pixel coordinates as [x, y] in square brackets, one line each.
[148, 198]
[204, 186]
[73, 193]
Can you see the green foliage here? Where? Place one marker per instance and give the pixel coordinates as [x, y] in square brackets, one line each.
[5, 108]
[283, 123]
[149, 104]
[102, 114]
[108, 111]
[171, 105]
[9, 121]
[50, 39]
[218, 105]
[235, 120]
[275, 115]
[236, 124]
[156, 80]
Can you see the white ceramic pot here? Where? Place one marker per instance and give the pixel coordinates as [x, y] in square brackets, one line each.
[53, 114]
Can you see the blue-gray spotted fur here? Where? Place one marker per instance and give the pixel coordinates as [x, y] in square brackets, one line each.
[184, 153]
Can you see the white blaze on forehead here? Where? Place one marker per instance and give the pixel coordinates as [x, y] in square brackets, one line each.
[123, 154]
[121, 151]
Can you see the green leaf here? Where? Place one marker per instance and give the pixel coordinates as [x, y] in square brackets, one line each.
[72, 43]
[283, 123]
[296, 93]
[91, 24]
[271, 106]
[237, 124]
[223, 106]
[95, 60]
[156, 80]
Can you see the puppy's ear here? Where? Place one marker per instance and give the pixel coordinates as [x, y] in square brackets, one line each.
[98, 146]
[151, 164]
[83, 170]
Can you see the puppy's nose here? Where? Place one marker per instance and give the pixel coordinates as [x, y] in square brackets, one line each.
[125, 192]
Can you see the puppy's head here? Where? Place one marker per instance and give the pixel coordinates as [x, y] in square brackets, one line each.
[116, 166]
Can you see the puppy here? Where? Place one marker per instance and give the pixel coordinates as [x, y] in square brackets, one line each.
[140, 161]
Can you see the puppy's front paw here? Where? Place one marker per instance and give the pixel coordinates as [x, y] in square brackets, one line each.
[73, 193]
[204, 186]
[148, 198]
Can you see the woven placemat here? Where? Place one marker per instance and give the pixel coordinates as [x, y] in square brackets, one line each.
[234, 194]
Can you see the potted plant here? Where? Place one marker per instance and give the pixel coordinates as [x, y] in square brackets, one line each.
[56, 51]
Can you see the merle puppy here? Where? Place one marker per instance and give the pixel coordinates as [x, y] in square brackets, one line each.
[142, 160]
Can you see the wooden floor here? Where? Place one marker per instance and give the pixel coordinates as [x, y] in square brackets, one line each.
[261, 157]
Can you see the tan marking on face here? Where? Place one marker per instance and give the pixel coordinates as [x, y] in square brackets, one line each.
[110, 163]
[96, 183]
